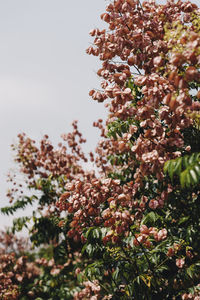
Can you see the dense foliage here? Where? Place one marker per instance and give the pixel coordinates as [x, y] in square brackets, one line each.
[129, 228]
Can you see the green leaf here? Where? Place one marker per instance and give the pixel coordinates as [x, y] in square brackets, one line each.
[115, 274]
[185, 161]
[193, 175]
[183, 179]
[89, 249]
[183, 220]
[19, 204]
[166, 166]
[150, 218]
[96, 233]
[187, 168]
[197, 169]
[171, 168]
[178, 166]
[19, 223]
[193, 270]
[89, 233]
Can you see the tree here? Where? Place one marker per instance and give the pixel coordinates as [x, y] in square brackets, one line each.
[132, 225]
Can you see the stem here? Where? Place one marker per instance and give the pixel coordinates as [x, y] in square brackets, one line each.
[130, 259]
[104, 288]
[140, 5]
[137, 69]
[125, 22]
[148, 261]
[166, 259]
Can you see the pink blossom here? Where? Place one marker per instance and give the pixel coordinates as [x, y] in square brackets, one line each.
[153, 204]
[180, 262]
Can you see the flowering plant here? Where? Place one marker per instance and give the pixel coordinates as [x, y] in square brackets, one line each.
[132, 225]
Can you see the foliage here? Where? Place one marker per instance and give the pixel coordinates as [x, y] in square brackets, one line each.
[186, 167]
[129, 229]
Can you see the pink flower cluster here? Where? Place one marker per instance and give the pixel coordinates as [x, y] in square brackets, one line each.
[91, 291]
[145, 233]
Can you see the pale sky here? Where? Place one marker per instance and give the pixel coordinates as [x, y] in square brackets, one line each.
[45, 74]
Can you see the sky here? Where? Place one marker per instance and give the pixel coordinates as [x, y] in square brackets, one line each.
[45, 74]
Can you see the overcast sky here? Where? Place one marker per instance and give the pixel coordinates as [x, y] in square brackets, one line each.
[45, 74]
